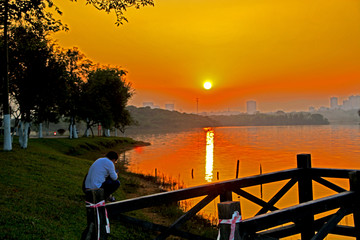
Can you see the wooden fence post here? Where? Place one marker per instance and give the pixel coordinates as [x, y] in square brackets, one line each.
[226, 196]
[237, 169]
[226, 211]
[96, 216]
[354, 178]
[305, 190]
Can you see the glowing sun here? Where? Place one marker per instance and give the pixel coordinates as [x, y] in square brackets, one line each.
[207, 85]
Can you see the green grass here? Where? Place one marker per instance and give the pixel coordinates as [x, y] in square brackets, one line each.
[41, 196]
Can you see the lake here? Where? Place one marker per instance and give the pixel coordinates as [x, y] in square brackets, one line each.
[208, 155]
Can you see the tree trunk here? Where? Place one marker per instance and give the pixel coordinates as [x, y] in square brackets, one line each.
[40, 130]
[70, 130]
[26, 134]
[47, 129]
[5, 80]
[23, 134]
[87, 133]
[106, 132]
[7, 133]
[75, 135]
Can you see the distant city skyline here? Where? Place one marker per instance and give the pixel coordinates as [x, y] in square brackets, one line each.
[251, 106]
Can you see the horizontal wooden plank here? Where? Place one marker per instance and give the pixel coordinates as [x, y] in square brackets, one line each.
[198, 191]
[331, 172]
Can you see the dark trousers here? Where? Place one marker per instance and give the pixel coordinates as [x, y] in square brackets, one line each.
[110, 186]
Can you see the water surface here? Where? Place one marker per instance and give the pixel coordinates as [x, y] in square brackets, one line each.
[208, 155]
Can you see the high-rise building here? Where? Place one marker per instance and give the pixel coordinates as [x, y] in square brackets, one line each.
[355, 102]
[334, 102]
[251, 107]
[352, 103]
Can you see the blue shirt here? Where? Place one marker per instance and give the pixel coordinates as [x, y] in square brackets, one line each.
[99, 171]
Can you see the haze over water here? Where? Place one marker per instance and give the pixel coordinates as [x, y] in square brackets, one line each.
[215, 151]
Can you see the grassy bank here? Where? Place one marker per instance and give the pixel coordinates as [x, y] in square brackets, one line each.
[41, 195]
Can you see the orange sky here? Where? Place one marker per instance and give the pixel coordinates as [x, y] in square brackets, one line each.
[285, 54]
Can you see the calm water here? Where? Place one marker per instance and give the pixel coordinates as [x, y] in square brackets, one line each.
[212, 155]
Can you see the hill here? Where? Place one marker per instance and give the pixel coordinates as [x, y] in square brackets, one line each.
[154, 120]
[279, 118]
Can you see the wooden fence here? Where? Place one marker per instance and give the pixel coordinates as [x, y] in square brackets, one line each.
[270, 222]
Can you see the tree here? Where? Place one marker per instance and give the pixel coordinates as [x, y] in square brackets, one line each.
[24, 12]
[105, 97]
[34, 13]
[51, 91]
[77, 67]
[36, 78]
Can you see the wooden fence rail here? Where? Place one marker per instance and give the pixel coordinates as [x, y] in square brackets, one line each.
[299, 219]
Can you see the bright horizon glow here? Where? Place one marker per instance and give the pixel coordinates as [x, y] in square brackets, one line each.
[306, 54]
[207, 85]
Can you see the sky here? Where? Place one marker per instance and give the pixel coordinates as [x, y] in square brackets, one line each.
[284, 54]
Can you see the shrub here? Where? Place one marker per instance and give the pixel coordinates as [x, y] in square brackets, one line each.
[61, 131]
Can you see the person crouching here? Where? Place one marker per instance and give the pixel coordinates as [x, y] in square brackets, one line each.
[102, 174]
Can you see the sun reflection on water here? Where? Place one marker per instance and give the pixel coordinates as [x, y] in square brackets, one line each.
[209, 166]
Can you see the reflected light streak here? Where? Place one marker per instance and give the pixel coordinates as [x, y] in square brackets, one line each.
[209, 166]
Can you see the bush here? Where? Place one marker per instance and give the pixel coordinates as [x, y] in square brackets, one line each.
[61, 131]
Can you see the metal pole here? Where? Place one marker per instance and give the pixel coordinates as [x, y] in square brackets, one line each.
[197, 105]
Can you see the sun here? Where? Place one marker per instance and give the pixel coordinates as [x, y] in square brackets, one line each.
[207, 85]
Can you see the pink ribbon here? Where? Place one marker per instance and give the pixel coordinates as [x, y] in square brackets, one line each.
[236, 218]
[97, 205]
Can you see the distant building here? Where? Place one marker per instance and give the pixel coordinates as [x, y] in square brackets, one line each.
[251, 107]
[169, 106]
[334, 103]
[324, 109]
[148, 104]
[352, 103]
[355, 102]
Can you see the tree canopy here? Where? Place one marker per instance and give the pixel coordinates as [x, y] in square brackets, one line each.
[34, 12]
[118, 6]
[35, 75]
[105, 96]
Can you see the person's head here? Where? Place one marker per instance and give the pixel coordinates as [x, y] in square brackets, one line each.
[113, 156]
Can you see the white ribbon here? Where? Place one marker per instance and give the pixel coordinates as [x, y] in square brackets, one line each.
[97, 205]
[236, 218]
